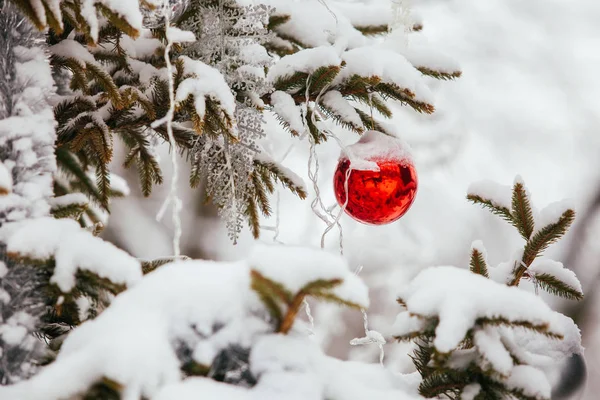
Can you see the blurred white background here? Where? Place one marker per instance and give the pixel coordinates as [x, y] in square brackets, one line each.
[528, 103]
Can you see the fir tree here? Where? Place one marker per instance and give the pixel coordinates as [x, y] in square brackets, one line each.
[114, 327]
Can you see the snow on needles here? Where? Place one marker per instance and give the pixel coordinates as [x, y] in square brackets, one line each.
[307, 61]
[391, 67]
[72, 248]
[499, 195]
[284, 106]
[295, 266]
[294, 368]
[556, 269]
[205, 81]
[459, 297]
[375, 146]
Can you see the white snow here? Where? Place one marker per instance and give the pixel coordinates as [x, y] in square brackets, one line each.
[255, 54]
[6, 182]
[291, 175]
[307, 61]
[177, 35]
[119, 185]
[375, 146]
[3, 269]
[312, 24]
[206, 81]
[391, 67]
[470, 391]
[141, 47]
[531, 380]
[491, 348]
[478, 245]
[499, 195]
[459, 297]
[284, 106]
[72, 248]
[66, 200]
[295, 266]
[334, 100]
[170, 303]
[552, 213]
[372, 13]
[69, 48]
[419, 53]
[13, 334]
[407, 323]
[556, 269]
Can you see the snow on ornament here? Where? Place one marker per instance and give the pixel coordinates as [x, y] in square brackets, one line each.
[381, 179]
[155, 18]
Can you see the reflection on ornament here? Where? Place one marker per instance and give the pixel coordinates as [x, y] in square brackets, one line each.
[376, 196]
[156, 18]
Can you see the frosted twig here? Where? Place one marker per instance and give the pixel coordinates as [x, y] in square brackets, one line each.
[172, 197]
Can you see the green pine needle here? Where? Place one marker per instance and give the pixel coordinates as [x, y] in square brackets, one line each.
[502, 212]
[521, 211]
[555, 286]
[546, 236]
[478, 264]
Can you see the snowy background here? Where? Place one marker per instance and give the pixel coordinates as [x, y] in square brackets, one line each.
[527, 104]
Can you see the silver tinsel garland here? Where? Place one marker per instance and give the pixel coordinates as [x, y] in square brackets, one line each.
[230, 38]
[26, 150]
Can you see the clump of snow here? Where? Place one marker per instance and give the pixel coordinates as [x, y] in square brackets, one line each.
[531, 380]
[307, 61]
[294, 267]
[407, 322]
[119, 185]
[459, 297]
[179, 300]
[489, 344]
[389, 66]
[6, 182]
[376, 14]
[206, 81]
[335, 101]
[69, 199]
[291, 175]
[376, 146]
[419, 53]
[499, 195]
[478, 245]
[470, 391]
[69, 48]
[72, 248]
[284, 106]
[143, 46]
[208, 306]
[254, 54]
[552, 213]
[177, 35]
[556, 269]
[312, 24]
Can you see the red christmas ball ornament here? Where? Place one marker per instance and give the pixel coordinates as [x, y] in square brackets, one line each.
[381, 179]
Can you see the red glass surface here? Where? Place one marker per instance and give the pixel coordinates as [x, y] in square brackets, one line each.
[376, 197]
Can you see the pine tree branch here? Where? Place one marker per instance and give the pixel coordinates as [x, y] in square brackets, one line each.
[555, 286]
[502, 212]
[521, 211]
[541, 240]
[478, 264]
[443, 75]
